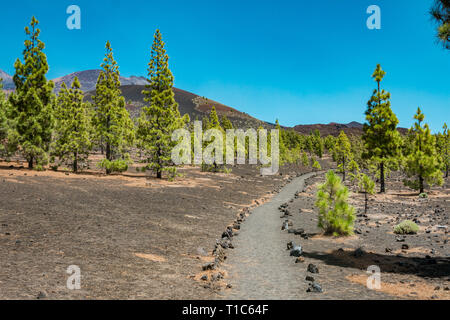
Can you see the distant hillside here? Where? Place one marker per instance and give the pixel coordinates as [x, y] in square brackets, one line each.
[88, 80]
[189, 103]
[352, 128]
[8, 83]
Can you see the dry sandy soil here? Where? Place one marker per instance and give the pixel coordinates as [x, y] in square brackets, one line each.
[132, 236]
[412, 266]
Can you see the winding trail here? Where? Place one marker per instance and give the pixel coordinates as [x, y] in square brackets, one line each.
[259, 266]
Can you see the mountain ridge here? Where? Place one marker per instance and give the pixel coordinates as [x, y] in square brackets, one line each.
[189, 103]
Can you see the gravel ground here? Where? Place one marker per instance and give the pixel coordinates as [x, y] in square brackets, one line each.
[260, 267]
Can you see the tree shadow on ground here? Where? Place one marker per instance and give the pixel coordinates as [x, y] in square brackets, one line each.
[426, 267]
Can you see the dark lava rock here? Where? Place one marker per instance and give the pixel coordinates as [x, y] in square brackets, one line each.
[290, 245]
[314, 287]
[388, 250]
[209, 266]
[296, 251]
[358, 253]
[299, 232]
[405, 247]
[204, 277]
[313, 268]
[310, 278]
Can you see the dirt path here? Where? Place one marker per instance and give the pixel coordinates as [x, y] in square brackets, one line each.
[260, 266]
[263, 269]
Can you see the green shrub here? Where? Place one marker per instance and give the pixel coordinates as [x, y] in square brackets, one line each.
[316, 165]
[423, 196]
[406, 227]
[114, 166]
[336, 216]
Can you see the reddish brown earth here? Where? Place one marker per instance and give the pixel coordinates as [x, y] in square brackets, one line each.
[132, 236]
[135, 237]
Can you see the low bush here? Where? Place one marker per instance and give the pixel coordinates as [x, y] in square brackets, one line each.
[336, 216]
[406, 227]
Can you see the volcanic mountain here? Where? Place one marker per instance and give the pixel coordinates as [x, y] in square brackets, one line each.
[189, 103]
[8, 83]
[88, 79]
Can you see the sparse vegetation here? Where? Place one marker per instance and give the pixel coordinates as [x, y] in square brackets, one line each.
[406, 227]
[381, 138]
[336, 216]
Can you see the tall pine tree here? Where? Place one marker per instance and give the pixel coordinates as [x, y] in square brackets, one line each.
[441, 15]
[161, 116]
[443, 146]
[32, 102]
[422, 163]
[3, 120]
[113, 126]
[381, 138]
[73, 132]
[343, 153]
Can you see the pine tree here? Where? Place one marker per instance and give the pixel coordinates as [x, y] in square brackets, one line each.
[226, 123]
[336, 216]
[73, 132]
[3, 120]
[422, 163]
[213, 123]
[443, 147]
[441, 14]
[316, 165]
[160, 117]
[114, 128]
[318, 144]
[381, 138]
[305, 159]
[32, 102]
[367, 186]
[282, 146]
[343, 152]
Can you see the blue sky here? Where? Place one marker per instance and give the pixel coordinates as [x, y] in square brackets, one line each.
[299, 61]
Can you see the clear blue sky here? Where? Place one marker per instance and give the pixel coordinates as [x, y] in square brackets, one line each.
[299, 61]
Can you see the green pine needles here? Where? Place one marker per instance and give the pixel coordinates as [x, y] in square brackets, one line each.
[381, 138]
[161, 116]
[73, 131]
[336, 216]
[422, 163]
[114, 129]
[32, 102]
[3, 121]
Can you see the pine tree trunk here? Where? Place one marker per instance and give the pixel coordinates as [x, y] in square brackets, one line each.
[446, 171]
[383, 190]
[30, 163]
[366, 204]
[343, 169]
[159, 171]
[421, 184]
[108, 156]
[75, 162]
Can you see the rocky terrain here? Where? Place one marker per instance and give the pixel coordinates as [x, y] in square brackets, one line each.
[314, 266]
[132, 236]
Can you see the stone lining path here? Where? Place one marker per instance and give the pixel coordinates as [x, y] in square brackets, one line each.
[260, 266]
